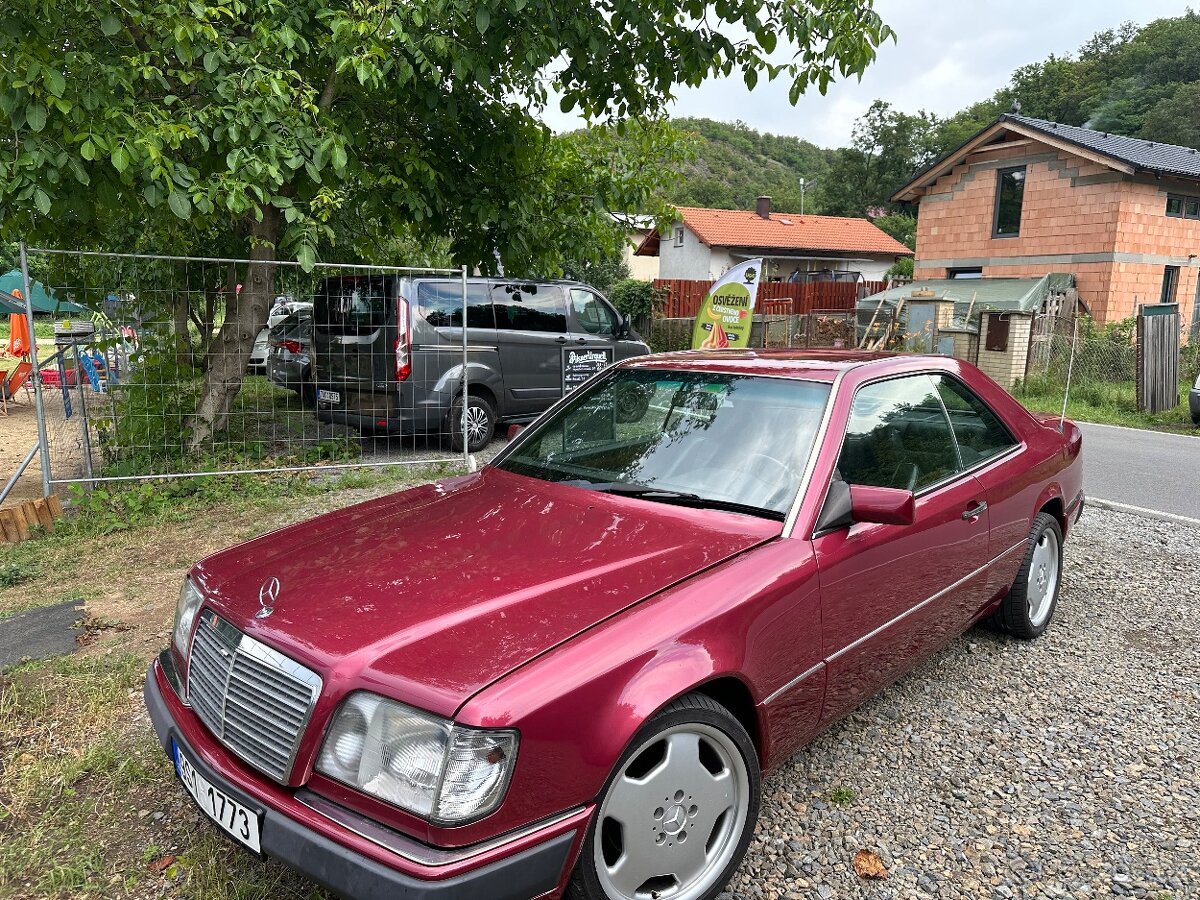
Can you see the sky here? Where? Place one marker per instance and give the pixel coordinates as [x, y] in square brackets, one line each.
[947, 55]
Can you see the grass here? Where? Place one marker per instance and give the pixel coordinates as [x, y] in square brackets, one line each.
[89, 804]
[840, 796]
[1109, 403]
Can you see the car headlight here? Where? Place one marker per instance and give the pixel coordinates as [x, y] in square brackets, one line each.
[432, 767]
[185, 614]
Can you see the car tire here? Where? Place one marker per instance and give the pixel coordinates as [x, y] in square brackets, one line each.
[631, 403]
[694, 809]
[481, 424]
[1029, 606]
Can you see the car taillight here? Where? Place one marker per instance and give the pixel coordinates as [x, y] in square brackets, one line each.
[403, 341]
[291, 346]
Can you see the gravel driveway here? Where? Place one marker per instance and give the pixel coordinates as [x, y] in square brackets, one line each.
[1064, 767]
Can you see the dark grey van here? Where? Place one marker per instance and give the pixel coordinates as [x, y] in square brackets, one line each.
[388, 351]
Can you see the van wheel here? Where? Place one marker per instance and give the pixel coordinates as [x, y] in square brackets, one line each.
[481, 424]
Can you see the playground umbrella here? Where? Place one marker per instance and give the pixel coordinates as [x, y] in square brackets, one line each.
[18, 329]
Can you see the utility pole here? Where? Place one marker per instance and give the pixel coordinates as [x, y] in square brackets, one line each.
[801, 196]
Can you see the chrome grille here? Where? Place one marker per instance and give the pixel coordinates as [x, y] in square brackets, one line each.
[254, 699]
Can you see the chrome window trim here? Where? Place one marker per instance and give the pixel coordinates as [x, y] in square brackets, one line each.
[410, 848]
[795, 681]
[908, 612]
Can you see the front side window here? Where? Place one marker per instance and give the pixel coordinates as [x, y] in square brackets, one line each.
[593, 314]
[693, 438]
[979, 431]
[1010, 194]
[529, 307]
[898, 436]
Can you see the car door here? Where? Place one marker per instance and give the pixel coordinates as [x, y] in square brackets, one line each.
[531, 331]
[596, 325]
[892, 594]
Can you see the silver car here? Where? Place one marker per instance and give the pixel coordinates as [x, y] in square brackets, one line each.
[289, 355]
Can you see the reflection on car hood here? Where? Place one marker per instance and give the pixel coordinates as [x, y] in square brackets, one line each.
[433, 593]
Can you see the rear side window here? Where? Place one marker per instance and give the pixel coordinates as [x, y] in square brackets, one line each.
[529, 307]
[898, 436]
[593, 314]
[981, 435]
[440, 303]
[353, 305]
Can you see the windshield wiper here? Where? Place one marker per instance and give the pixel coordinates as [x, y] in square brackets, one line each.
[680, 498]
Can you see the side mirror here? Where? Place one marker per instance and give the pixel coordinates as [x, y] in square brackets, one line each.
[514, 430]
[846, 504]
[884, 506]
[626, 327]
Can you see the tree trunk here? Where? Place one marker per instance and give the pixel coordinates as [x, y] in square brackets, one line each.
[245, 316]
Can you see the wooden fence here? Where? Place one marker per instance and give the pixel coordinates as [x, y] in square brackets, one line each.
[682, 297]
[1158, 329]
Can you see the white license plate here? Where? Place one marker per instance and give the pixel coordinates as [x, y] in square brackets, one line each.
[329, 396]
[239, 822]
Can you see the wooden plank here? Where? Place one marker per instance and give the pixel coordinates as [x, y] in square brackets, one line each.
[43, 513]
[29, 513]
[8, 526]
[56, 509]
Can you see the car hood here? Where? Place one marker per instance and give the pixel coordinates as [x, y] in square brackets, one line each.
[433, 593]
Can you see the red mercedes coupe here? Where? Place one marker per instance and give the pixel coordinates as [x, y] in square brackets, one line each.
[566, 674]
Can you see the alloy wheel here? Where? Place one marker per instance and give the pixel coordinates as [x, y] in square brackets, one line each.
[673, 817]
[1043, 578]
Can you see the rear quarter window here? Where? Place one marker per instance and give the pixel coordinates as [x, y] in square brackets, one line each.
[353, 305]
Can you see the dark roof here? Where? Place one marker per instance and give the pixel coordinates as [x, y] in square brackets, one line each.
[1168, 159]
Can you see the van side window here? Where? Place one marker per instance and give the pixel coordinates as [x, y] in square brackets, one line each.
[592, 313]
[440, 303]
[529, 307]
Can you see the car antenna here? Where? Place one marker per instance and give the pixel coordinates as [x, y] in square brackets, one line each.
[1070, 366]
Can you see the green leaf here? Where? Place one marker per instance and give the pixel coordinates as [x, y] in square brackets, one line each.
[55, 83]
[211, 61]
[88, 150]
[35, 116]
[120, 158]
[483, 18]
[751, 76]
[180, 204]
[42, 201]
[339, 158]
[110, 25]
[306, 255]
[152, 194]
[766, 40]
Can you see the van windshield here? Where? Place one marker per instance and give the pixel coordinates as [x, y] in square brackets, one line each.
[352, 305]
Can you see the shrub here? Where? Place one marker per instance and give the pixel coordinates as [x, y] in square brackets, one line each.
[636, 299]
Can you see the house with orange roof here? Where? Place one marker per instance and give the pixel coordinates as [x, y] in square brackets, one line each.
[704, 243]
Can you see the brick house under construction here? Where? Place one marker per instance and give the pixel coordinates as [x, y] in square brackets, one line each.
[1026, 198]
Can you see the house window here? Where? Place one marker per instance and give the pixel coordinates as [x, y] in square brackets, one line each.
[1170, 282]
[678, 235]
[964, 273]
[1180, 207]
[1010, 192]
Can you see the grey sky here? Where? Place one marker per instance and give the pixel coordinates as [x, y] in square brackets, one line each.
[948, 54]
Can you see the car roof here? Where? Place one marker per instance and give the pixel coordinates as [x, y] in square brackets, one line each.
[815, 365]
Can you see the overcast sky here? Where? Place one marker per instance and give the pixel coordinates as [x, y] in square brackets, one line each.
[947, 54]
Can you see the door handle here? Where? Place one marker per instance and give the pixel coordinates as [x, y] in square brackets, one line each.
[581, 340]
[975, 511]
[560, 340]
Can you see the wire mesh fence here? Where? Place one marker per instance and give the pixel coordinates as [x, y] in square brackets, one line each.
[164, 366]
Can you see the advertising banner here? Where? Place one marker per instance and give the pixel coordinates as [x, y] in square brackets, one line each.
[727, 311]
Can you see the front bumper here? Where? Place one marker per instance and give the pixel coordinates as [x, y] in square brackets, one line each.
[355, 863]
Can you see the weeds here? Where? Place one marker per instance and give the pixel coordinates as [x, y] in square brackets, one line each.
[840, 796]
[15, 569]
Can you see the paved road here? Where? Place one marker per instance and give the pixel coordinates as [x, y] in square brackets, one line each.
[1146, 469]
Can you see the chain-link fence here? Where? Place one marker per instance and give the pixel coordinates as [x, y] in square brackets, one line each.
[1100, 361]
[162, 366]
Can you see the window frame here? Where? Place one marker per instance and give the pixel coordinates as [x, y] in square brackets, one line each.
[970, 273]
[1183, 200]
[1018, 444]
[1000, 173]
[601, 302]
[678, 236]
[1170, 284]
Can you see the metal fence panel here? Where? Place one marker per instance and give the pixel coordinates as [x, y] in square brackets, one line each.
[341, 374]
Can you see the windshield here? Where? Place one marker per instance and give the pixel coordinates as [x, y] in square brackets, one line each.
[698, 438]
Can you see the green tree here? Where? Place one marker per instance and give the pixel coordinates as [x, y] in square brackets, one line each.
[887, 146]
[265, 118]
[1176, 119]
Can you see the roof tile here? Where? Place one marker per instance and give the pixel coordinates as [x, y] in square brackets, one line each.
[784, 231]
